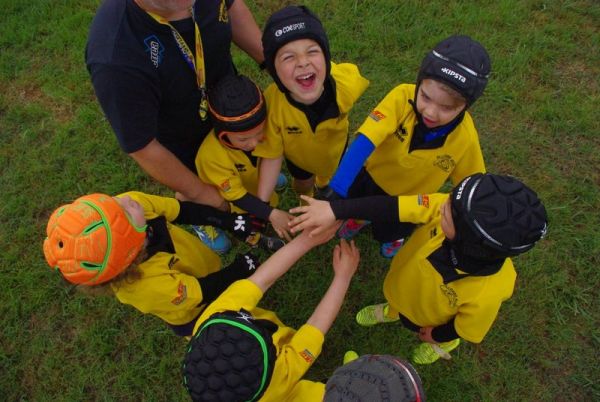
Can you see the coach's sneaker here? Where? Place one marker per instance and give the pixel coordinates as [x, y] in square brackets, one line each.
[375, 314]
[388, 250]
[351, 227]
[265, 242]
[282, 181]
[350, 356]
[214, 238]
[427, 353]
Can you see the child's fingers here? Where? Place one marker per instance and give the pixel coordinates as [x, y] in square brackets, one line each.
[299, 210]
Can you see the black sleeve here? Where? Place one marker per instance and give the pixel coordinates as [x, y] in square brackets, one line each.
[378, 208]
[197, 214]
[445, 333]
[254, 205]
[214, 284]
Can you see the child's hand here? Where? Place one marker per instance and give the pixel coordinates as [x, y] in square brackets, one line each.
[345, 259]
[317, 213]
[280, 221]
[320, 238]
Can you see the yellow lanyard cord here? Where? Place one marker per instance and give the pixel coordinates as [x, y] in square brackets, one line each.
[195, 63]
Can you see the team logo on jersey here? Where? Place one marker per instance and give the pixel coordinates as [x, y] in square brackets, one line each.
[223, 15]
[240, 167]
[445, 162]
[377, 115]
[155, 49]
[401, 133]
[225, 186]
[173, 261]
[293, 130]
[181, 294]
[423, 200]
[450, 294]
[306, 355]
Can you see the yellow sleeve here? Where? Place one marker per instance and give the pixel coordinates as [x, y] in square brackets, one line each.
[272, 145]
[293, 361]
[155, 205]
[421, 208]
[216, 168]
[471, 162]
[384, 119]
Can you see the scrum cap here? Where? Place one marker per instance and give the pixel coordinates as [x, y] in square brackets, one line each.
[236, 105]
[92, 240]
[231, 358]
[289, 24]
[496, 216]
[375, 378]
[459, 62]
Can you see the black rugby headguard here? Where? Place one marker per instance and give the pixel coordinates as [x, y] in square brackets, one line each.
[496, 217]
[236, 105]
[230, 358]
[459, 62]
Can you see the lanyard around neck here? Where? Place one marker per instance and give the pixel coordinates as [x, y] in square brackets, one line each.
[195, 63]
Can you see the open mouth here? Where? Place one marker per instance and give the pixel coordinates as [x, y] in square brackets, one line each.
[307, 80]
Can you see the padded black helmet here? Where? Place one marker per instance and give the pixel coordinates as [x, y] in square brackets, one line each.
[230, 358]
[236, 105]
[289, 24]
[375, 378]
[496, 217]
[459, 62]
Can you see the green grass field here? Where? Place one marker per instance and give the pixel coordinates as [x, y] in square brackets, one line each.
[538, 121]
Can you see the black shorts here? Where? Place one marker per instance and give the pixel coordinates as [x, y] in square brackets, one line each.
[296, 172]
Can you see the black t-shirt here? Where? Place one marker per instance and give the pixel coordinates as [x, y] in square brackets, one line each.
[145, 87]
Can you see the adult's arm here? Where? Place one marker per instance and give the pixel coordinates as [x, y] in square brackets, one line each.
[246, 34]
[164, 166]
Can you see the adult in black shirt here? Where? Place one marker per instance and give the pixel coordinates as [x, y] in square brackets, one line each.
[149, 91]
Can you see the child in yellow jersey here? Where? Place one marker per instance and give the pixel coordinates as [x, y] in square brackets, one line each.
[308, 103]
[129, 244]
[418, 137]
[241, 352]
[454, 272]
[225, 158]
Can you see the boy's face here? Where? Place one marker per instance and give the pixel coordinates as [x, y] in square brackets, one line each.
[447, 222]
[436, 105]
[248, 140]
[133, 209]
[300, 65]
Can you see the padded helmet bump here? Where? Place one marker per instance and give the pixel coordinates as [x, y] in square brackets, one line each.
[92, 240]
[496, 216]
[459, 62]
[375, 378]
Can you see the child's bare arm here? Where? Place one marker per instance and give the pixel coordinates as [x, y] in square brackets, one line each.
[280, 262]
[345, 262]
[268, 172]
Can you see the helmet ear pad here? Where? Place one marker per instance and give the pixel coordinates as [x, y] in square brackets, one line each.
[92, 240]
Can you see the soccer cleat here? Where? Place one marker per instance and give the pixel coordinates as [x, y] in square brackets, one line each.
[351, 227]
[427, 353]
[282, 181]
[214, 238]
[374, 314]
[268, 243]
[388, 250]
[350, 356]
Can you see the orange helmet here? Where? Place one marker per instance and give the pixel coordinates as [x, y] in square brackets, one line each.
[92, 240]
